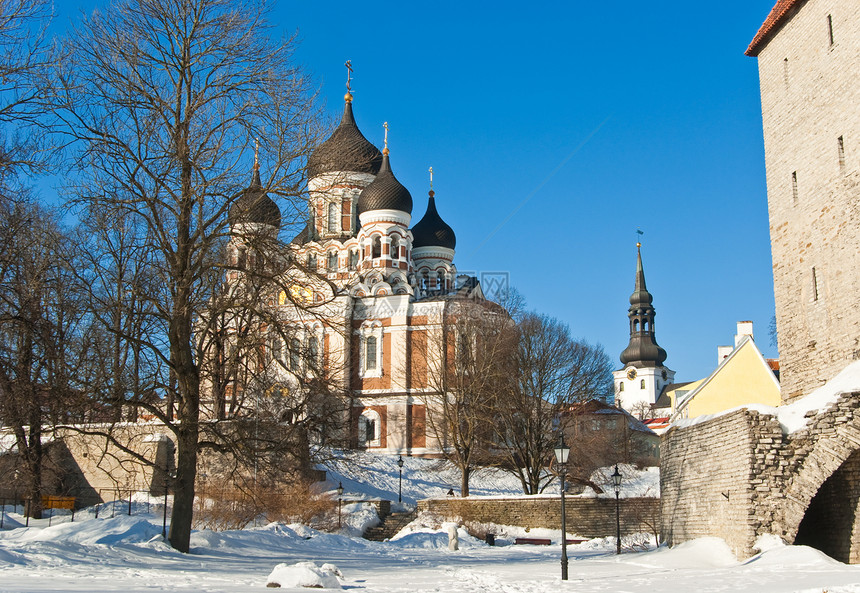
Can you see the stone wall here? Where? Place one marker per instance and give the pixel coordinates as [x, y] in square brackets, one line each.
[586, 517]
[738, 476]
[811, 121]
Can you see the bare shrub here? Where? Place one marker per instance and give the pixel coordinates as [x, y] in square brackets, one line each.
[232, 508]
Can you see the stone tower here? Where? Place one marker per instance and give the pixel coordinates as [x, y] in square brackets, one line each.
[808, 57]
[641, 381]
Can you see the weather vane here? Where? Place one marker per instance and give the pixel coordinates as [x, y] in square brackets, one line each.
[639, 233]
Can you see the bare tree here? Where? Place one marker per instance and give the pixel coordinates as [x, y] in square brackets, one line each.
[550, 372]
[24, 85]
[160, 101]
[41, 314]
[467, 361]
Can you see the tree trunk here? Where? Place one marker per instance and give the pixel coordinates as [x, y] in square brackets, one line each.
[464, 480]
[183, 489]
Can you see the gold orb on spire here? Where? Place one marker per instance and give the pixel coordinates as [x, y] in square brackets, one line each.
[348, 97]
[638, 244]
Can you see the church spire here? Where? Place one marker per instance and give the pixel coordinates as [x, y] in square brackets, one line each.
[642, 350]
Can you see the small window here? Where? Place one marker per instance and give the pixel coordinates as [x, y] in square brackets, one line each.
[642, 384]
[785, 71]
[841, 147]
[331, 264]
[295, 354]
[830, 29]
[395, 248]
[621, 386]
[312, 261]
[353, 260]
[377, 247]
[313, 351]
[332, 217]
[794, 194]
[370, 353]
[814, 285]
[635, 325]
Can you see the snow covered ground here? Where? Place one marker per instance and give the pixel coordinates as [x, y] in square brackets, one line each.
[126, 554]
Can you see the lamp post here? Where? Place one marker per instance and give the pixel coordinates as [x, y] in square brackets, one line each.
[339, 501]
[562, 452]
[616, 482]
[400, 484]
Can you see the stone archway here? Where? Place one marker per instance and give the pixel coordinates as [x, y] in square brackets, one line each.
[821, 506]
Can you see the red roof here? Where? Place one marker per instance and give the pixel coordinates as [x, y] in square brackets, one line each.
[779, 15]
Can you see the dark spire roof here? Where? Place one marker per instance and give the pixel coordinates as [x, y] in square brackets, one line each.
[431, 230]
[643, 350]
[385, 192]
[346, 150]
[254, 205]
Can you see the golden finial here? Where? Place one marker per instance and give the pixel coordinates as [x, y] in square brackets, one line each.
[432, 193]
[385, 150]
[348, 96]
[256, 154]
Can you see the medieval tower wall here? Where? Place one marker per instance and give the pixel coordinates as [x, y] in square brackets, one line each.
[808, 63]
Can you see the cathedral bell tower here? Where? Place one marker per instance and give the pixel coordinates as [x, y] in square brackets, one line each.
[643, 378]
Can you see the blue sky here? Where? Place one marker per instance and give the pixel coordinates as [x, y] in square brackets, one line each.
[557, 129]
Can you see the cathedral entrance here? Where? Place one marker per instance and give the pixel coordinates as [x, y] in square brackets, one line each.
[830, 523]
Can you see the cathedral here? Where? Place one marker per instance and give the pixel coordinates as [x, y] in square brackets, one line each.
[380, 287]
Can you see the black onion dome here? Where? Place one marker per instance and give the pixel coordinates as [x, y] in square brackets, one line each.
[385, 192]
[255, 206]
[431, 230]
[346, 150]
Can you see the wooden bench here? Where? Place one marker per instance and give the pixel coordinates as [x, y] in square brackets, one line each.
[539, 541]
[58, 502]
[532, 541]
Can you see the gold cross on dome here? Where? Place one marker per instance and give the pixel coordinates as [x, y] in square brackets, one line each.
[431, 178]
[385, 125]
[348, 75]
[256, 154]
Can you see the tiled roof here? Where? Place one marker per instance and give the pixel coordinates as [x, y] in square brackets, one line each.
[780, 13]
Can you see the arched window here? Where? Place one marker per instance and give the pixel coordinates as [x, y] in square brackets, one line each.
[642, 384]
[645, 326]
[395, 248]
[332, 217]
[331, 263]
[440, 280]
[277, 349]
[636, 325]
[353, 260]
[376, 251]
[313, 352]
[621, 386]
[295, 354]
[369, 429]
[312, 261]
[370, 345]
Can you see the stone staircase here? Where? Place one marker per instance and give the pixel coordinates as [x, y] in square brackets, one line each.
[389, 525]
